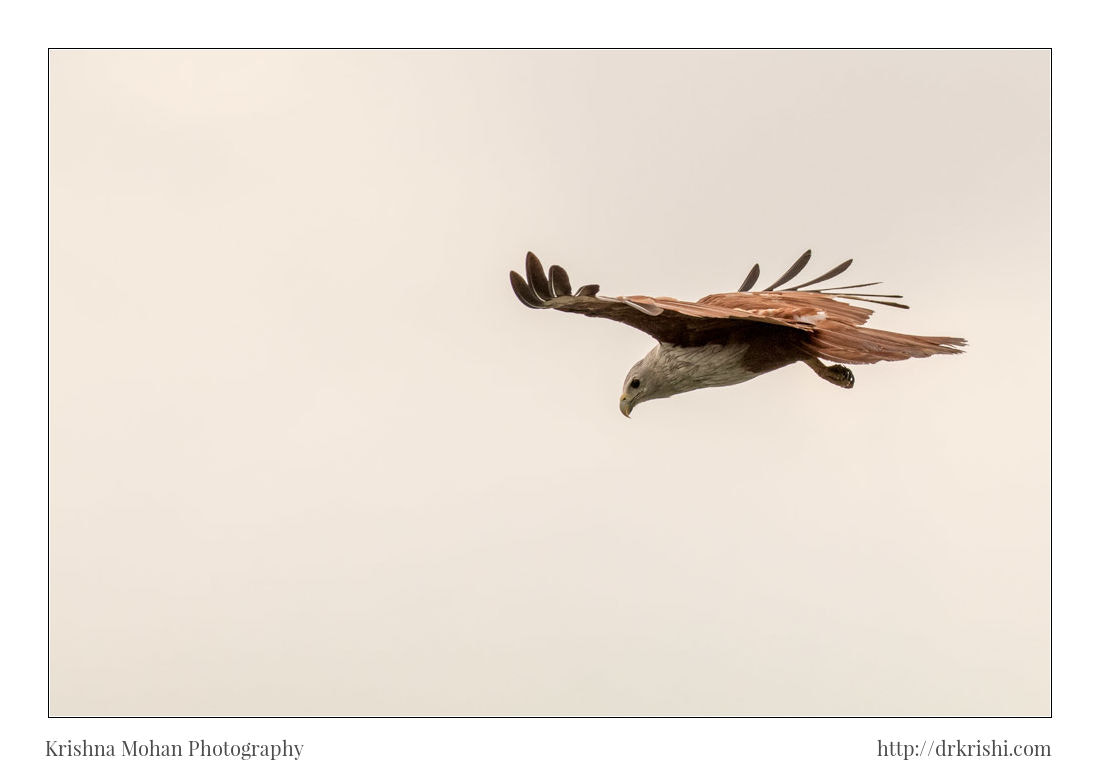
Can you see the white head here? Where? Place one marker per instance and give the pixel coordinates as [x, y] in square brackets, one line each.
[648, 379]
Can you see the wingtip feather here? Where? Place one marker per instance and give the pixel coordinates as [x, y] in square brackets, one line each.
[536, 278]
[523, 291]
[750, 279]
[559, 281]
[838, 269]
[795, 268]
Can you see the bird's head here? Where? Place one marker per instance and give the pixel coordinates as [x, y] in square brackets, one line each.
[645, 381]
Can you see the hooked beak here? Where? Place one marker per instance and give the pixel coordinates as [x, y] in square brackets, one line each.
[624, 405]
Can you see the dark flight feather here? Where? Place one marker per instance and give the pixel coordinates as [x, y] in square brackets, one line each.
[537, 278]
[873, 301]
[842, 288]
[523, 291]
[797, 267]
[751, 278]
[559, 281]
[827, 276]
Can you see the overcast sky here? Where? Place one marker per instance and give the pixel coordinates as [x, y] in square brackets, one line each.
[309, 455]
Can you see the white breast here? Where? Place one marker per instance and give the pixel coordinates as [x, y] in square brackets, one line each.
[708, 366]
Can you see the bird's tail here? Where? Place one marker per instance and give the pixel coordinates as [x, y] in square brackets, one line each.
[859, 345]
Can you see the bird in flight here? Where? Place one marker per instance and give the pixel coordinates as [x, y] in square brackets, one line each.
[725, 339]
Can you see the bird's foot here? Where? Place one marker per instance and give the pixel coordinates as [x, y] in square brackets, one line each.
[835, 374]
[840, 375]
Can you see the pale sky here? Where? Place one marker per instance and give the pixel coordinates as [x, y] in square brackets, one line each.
[300, 426]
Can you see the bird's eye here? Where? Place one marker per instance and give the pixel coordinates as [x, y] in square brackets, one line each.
[635, 383]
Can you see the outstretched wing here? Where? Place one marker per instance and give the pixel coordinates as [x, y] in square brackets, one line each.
[838, 331]
[668, 320]
[833, 327]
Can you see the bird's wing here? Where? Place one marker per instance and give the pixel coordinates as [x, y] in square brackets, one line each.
[680, 322]
[832, 327]
[668, 320]
[838, 331]
[798, 302]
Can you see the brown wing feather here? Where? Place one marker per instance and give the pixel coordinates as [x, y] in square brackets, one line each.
[778, 316]
[791, 305]
[852, 345]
